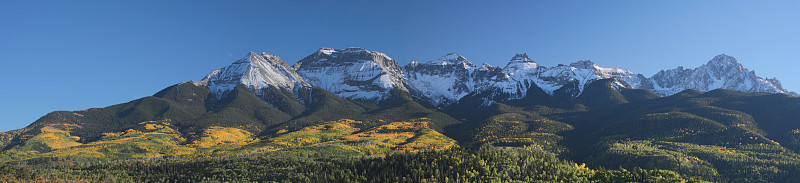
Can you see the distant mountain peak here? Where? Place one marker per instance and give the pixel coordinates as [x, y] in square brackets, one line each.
[725, 62]
[327, 51]
[352, 73]
[584, 64]
[521, 62]
[269, 56]
[724, 57]
[349, 49]
[447, 79]
[523, 74]
[485, 66]
[722, 71]
[451, 59]
[255, 71]
[521, 58]
[351, 52]
[413, 63]
[355, 49]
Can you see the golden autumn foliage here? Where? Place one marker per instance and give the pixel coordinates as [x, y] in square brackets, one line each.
[160, 138]
[52, 138]
[310, 135]
[216, 135]
[345, 135]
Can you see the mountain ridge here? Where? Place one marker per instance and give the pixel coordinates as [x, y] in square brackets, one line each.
[521, 72]
[360, 74]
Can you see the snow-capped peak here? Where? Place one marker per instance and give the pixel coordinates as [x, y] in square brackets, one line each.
[722, 71]
[254, 71]
[451, 59]
[353, 73]
[521, 58]
[524, 73]
[445, 80]
[521, 62]
[584, 64]
[725, 62]
[327, 51]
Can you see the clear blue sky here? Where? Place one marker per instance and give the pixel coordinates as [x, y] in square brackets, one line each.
[74, 55]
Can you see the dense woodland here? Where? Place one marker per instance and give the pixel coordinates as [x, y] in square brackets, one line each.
[487, 164]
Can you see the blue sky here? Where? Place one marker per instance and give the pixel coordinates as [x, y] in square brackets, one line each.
[74, 55]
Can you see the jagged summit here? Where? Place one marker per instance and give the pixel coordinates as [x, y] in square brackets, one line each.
[254, 71]
[413, 63]
[521, 62]
[722, 71]
[723, 58]
[324, 55]
[584, 64]
[524, 74]
[486, 66]
[351, 50]
[725, 62]
[521, 58]
[445, 80]
[353, 73]
[451, 59]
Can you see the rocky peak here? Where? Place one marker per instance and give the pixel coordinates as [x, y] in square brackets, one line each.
[521, 61]
[358, 73]
[486, 66]
[722, 71]
[447, 63]
[521, 58]
[353, 73]
[444, 80]
[413, 63]
[584, 64]
[723, 59]
[254, 71]
[451, 59]
[725, 63]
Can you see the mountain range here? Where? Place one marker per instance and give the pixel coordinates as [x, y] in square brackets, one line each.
[360, 74]
[718, 122]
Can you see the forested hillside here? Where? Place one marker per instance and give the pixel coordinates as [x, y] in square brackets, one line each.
[487, 164]
[607, 134]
